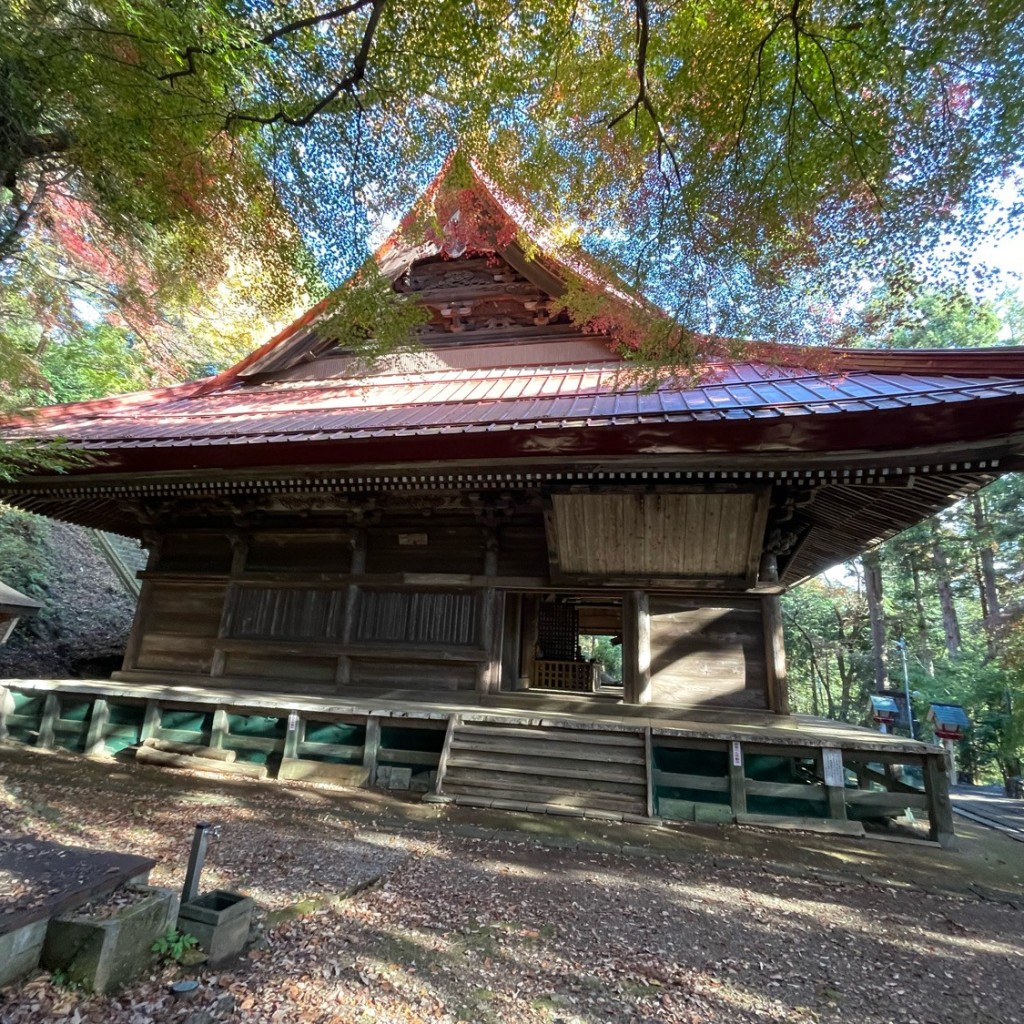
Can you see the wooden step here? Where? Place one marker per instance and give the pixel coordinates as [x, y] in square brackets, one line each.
[547, 748]
[584, 769]
[600, 801]
[555, 733]
[609, 771]
[580, 787]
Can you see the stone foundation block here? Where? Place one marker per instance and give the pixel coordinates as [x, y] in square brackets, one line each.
[103, 954]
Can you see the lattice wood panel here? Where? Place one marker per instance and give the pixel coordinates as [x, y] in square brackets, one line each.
[573, 676]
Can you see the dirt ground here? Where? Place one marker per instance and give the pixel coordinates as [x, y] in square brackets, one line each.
[375, 909]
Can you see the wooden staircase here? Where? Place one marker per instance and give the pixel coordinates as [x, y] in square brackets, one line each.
[551, 768]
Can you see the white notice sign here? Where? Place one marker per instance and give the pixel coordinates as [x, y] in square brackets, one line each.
[832, 766]
[737, 754]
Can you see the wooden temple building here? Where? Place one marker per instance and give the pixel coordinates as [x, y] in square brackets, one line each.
[394, 575]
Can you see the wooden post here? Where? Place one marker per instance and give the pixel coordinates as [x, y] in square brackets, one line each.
[636, 648]
[737, 779]
[51, 712]
[139, 624]
[6, 708]
[528, 644]
[371, 749]
[649, 766]
[940, 807]
[442, 764]
[97, 734]
[150, 721]
[512, 624]
[219, 732]
[294, 735]
[775, 655]
[830, 766]
[357, 567]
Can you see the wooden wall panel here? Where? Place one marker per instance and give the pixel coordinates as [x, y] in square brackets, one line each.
[288, 613]
[286, 669]
[311, 552]
[418, 676]
[425, 547]
[195, 551]
[705, 652]
[417, 618]
[683, 536]
[523, 550]
[178, 627]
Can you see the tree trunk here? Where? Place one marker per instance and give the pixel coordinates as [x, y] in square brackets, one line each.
[873, 592]
[987, 560]
[923, 647]
[950, 622]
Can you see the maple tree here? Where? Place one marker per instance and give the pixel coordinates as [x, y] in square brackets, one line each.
[745, 165]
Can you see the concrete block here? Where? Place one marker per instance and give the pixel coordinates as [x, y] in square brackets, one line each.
[103, 954]
[400, 778]
[349, 775]
[220, 922]
[720, 814]
[20, 950]
[677, 810]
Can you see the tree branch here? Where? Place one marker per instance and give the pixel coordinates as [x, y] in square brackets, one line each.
[347, 84]
[189, 54]
[643, 99]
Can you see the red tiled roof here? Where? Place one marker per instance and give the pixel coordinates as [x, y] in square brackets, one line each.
[454, 401]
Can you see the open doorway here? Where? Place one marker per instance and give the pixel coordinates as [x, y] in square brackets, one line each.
[571, 644]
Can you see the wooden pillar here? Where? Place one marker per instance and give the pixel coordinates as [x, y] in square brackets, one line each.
[294, 735]
[150, 721]
[512, 624]
[371, 749]
[6, 708]
[492, 614]
[737, 779]
[833, 775]
[649, 766]
[442, 764]
[528, 640]
[940, 807]
[99, 719]
[139, 623]
[343, 671]
[219, 732]
[51, 712]
[775, 655]
[636, 648]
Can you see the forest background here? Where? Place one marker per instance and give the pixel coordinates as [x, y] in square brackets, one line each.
[177, 180]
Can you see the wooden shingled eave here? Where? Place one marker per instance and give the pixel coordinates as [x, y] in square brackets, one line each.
[1003, 361]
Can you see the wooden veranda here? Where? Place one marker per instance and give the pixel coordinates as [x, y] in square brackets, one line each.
[585, 755]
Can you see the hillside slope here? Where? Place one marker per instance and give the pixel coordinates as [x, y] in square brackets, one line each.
[83, 626]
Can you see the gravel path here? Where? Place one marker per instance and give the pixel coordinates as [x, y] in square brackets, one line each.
[507, 931]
